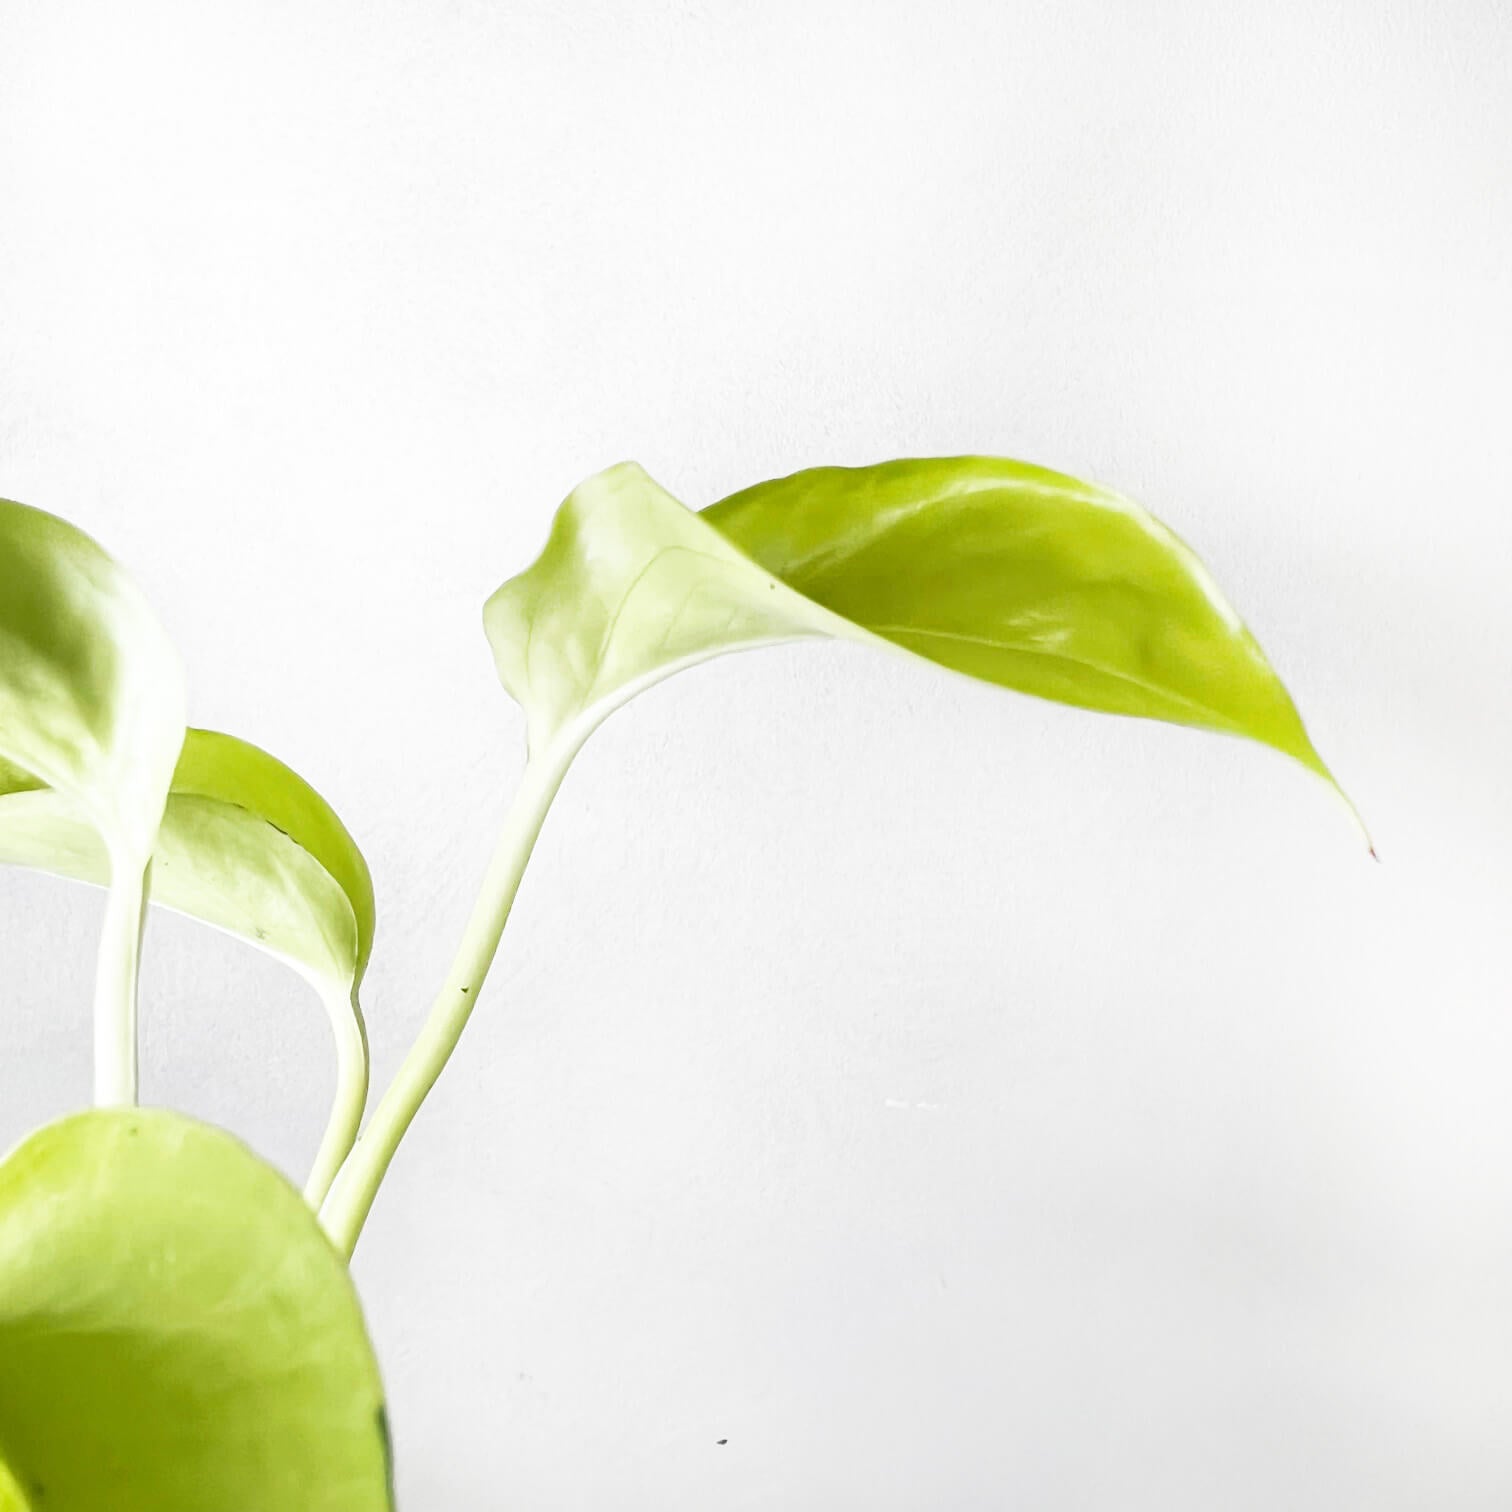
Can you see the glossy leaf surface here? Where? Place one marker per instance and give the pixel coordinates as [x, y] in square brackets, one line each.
[91, 690]
[631, 587]
[176, 1332]
[248, 846]
[1006, 572]
[1025, 578]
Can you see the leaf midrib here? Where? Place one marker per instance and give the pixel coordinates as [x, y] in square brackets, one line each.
[924, 632]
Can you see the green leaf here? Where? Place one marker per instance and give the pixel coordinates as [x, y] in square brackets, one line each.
[1025, 578]
[248, 846]
[91, 690]
[92, 705]
[1006, 572]
[631, 587]
[176, 1332]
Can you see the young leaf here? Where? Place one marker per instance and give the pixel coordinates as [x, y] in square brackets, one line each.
[91, 691]
[92, 705]
[1009, 573]
[248, 846]
[176, 1332]
[631, 587]
[1025, 578]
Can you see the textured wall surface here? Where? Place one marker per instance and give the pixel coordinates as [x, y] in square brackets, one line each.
[893, 1093]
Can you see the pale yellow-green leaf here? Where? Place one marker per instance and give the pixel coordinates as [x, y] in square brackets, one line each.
[1022, 577]
[631, 587]
[176, 1332]
[91, 690]
[92, 705]
[1006, 572]
[248, 846]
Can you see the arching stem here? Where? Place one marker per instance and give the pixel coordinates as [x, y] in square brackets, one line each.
[355, 1187]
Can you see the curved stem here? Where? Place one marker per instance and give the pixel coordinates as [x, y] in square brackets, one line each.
[115, 1001]
[350, 1101]
[356, 1185]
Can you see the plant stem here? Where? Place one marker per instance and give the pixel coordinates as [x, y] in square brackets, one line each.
[346, 1209]
[351, 1092]
[115, 1004]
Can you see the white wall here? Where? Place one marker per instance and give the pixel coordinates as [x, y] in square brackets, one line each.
[950, 1100]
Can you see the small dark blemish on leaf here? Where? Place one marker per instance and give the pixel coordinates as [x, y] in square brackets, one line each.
[388, 1450]
[36, 1490]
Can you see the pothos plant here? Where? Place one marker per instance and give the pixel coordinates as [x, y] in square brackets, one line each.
[178, 1329]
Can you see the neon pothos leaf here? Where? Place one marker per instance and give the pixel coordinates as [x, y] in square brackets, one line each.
[630, 588]
[91, 690]
[92, 705]
[1025, 578]
[248, 846]
[176, 1332]
[1009, 573]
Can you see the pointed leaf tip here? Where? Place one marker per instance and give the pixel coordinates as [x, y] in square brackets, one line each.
[1003, 571]
[1026, 578]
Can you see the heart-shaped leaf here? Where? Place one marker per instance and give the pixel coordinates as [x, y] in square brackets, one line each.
[1009, 573]
[248, 846]
[92, 705]
[631, 587]
[176, 1332]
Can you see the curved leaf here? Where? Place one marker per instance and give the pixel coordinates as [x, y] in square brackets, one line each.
[91, 704]
[237, 782]
[176, 1332]
[1025, 578]
[631, 587]
[248, 846]
[1007, 572]
[91, 690]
